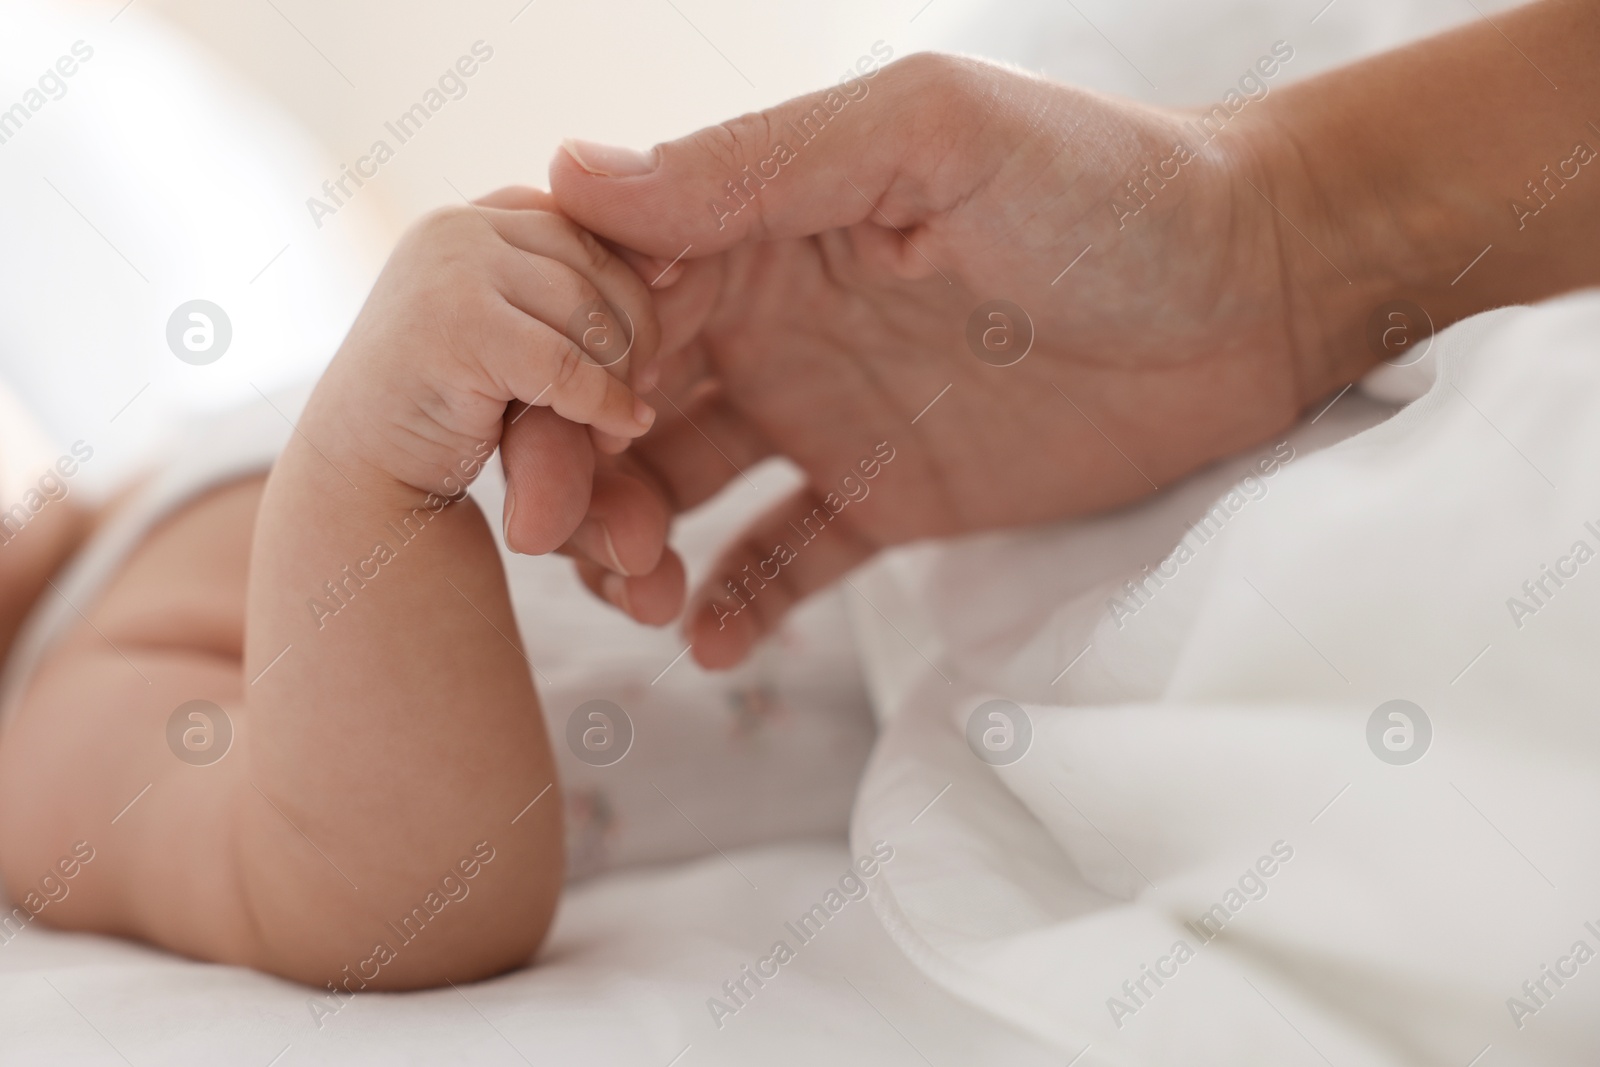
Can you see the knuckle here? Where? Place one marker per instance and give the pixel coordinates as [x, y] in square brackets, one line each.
[445, 235]
[942, 88]
[936, 71]
[461, 329]
[948, 104]
[517, 196]
[730, 144]
[441, 223]
[721, 144]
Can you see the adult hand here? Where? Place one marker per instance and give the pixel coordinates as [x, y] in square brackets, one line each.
[837, 300]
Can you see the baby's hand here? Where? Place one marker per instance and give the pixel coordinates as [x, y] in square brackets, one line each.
[479, 307]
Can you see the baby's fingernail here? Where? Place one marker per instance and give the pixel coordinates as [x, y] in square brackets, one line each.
[614, 587]
[610, 161]
[643, 414]
[511, 508]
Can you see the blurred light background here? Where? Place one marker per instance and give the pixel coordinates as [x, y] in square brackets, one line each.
[178, 160]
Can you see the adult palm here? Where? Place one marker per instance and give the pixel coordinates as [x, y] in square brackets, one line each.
[843, 291]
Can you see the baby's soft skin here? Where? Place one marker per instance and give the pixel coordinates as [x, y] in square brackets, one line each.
[395, 741]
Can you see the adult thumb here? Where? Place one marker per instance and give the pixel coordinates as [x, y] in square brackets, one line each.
[871, 147]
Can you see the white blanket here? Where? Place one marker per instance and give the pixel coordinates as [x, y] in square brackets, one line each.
[1217, 849]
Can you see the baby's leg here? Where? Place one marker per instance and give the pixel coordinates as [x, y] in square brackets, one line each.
[371, 825]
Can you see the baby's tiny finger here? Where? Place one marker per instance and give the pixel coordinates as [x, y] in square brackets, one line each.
[608, 444]
[586, 393]
[542, 366]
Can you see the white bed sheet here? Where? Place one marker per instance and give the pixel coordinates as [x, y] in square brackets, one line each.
[624, 980]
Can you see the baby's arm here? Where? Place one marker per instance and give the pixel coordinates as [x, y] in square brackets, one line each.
[398, 731]
[375, 814]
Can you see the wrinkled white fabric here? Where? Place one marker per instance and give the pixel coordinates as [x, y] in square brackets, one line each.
[1228, 715]
[624, 980]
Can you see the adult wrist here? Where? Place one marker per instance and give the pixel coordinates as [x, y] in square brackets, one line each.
[1416, 183]
[1349, 243]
